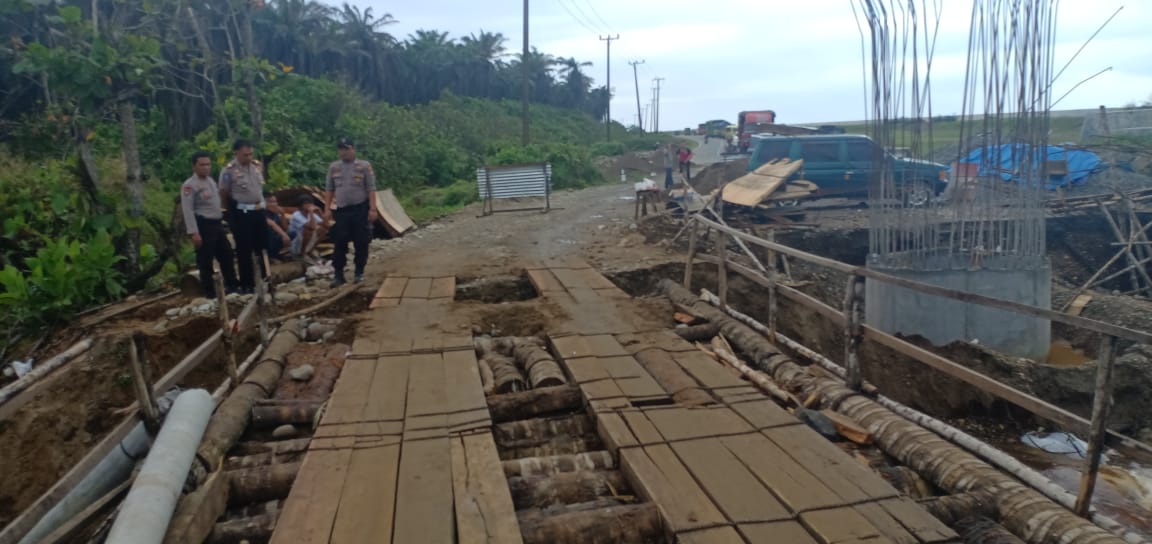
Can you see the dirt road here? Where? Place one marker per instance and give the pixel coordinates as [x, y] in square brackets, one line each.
[596, 224]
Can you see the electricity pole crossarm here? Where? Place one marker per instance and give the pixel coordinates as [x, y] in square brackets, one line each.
[608, 87]
[636, 80]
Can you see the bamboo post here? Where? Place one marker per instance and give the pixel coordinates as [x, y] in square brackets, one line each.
[146, 400]
[853, 329]
[692, 234]
[772, 275]
[1100, 405]
[743, 246]
[722, 254]
[1132, 260]
[226, 327]
[261, 306]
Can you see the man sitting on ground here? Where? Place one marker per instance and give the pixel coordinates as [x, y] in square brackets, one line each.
[306, 228]
[274, 217]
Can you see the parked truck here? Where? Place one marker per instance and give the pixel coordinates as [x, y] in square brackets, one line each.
[746, 123]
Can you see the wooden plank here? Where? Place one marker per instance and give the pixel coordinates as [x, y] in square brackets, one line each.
[681, 502]
[570, 347]
[392, 287]
[700, 422]
[641, 427]
[585, 295]
[791, 532]
[424, 509]
[467, 408]
[426, 397]
[614, 432]
[918, 521]
[752, 188]
[346, 404]
[1078, 304]
[369, 496]
[443, 288]
[614, 293]
[545, 282]
[310, 510]
[885, 524]
[364, 347]
[662, 339]
[707, 371]
[417, 288]
[631, 378]
[838, 525]
[582, 278]
[384, 408]
[847, 478]
[764, 414]
[715, 535]
[392, 213]
[484, 510]
[733, 488]
[383, 303]
[795, 486]
[604, 345]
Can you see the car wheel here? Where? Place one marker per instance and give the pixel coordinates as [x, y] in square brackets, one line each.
[788, 203]
[918, 194]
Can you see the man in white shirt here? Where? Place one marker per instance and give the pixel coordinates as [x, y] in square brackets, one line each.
[305, 228]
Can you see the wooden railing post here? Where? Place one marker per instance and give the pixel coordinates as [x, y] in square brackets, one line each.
[144, 396]
[772, 276]
[722, 254]
[853, 329]
[692, 234]
[1100, 405]
[226, 327]
[261, 303]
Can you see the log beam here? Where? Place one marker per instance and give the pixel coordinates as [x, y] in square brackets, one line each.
[534, 403]
[626, 523]
[556, 464]
[565, 488]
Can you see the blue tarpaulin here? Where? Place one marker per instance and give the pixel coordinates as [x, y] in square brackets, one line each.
[1081, 163]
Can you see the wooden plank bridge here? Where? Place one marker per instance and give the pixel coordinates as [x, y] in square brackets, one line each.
[405, 451]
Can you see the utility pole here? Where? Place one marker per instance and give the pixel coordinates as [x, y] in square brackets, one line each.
[608, 87]
[526, 88]
[636, 80]
[657, 120]
[647, 108]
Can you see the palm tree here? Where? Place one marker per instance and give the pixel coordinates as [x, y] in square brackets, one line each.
[483, 55]
[295, 32]
[539, 69]
[364, 44]
[576, 82]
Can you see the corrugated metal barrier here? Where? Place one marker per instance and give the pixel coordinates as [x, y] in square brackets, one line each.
[516, 181]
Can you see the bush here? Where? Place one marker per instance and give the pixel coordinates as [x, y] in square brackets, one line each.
[572, 166]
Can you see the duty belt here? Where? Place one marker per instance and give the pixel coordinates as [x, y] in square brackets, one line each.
[250, 207]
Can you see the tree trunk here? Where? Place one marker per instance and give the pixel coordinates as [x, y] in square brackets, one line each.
[561, 445]
[253, 529]
[565, 488]
[90, 173]
[280, 447]
[672, 377]
[534, 403]
[270, 417]
[906, 481]
[506, 378]
[1022, 510]
[537, 431]
[950, 509]
[981, 530]
[255, 112]
[639, 523]
[487, 381]
[542, 370]
[537, 515]
[556, 464]
[261, 484]
[233, 415]
[134, 181]
[698, 333]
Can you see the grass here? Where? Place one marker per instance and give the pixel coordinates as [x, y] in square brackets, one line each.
[946, 133]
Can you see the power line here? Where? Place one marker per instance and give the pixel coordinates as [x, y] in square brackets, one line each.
[577, 19]
[586, 17]
[597, 14]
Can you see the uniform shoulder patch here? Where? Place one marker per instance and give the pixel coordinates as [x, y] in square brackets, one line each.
[187, 189]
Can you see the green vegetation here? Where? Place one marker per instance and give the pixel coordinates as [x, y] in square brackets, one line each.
[102, 110]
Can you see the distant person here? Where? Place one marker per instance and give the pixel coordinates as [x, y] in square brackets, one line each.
[351, 187]
[204, 223]
[306, 228]
[278, 238]
[669, 160]
[685, 157]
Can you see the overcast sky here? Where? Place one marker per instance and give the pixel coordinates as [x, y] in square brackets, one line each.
[799, 58]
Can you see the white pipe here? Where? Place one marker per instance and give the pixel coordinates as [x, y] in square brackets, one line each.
[148, 508]
[973, 445]
[115, 468]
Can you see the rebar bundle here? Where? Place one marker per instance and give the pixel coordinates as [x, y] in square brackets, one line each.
[992, 215]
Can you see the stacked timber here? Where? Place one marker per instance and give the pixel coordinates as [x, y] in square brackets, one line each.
[512, 364]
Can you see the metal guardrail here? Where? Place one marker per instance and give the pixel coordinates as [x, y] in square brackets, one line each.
[849, 317]
[516, 181]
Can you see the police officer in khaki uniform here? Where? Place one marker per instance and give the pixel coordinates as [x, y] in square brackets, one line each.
[351, 187]
[242, 190]
[203, 220]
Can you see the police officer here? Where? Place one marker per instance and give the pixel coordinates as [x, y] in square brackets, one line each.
[242, 189]
[203, 220]
[351, 186]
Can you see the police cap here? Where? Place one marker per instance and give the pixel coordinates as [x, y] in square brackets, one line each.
[345, 142]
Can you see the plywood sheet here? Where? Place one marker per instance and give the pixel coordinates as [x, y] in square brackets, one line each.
[730, 484]
[483, 504]
[392, 213]
[752, 188]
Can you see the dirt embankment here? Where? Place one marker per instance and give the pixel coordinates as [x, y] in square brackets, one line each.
[713, 176]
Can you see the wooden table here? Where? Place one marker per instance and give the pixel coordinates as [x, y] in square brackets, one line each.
[643, 198]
